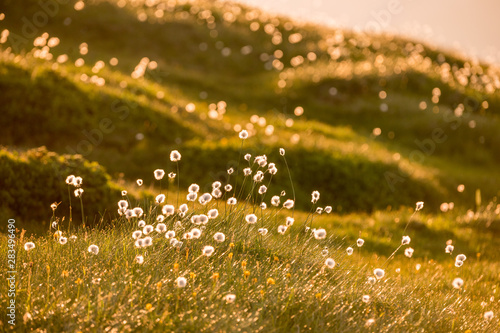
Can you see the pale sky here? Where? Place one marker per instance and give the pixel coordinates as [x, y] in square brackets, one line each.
[471, 27]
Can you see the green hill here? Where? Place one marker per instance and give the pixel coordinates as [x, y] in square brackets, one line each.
[387, 121]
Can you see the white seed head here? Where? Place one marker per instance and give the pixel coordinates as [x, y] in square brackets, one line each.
[195, 233]
[191, 196]
[213, 213]
[247, 172]
[136, 234]
[243, 135]
[320, 233]
[216, 193]
[315, 197]
[263, 205]
[139, 182]
[181, 282]
[208, 250]
[419, 206]
[449, 248]
[330, 263]
[406, 240]
[230, 298]
[139, 259]
[94, 249]
[232, 201]
[488, 315]
[409, 252]
[63, 240]
[365, 298]
[289, 221]
[70, 179]
[360, 242]
[349, 251]
[219, 237]
[138, 211]
[282, 229]
[288, 204]
[258, 177]
[29, 246]
[168, 210]
[147, 229]
[141, 223]
[161, 228]
[170, 234]
[275, 200]
[123, 204]
[282, 152]
[175, 156]
[262, 189]
[159, 173]
[461, 257]
[251, 218]
[263, 231]
[78, 192]
[328, 209]
[457, 283]
[195, 188]
[124, 193]
[379, 273]
[228, 188]
[160, 198]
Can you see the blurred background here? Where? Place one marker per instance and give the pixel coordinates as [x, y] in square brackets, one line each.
[461, 25]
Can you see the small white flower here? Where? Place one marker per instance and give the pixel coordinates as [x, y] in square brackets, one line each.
[275, 200]
[230, 298]
[63, 240]
[141, 223]
[191, 196]
[360, 242]
[139, 259]
[136, 234]
[247, 172]
[70, 179]
[219, 237]
[123, 204]
[139, 182]
[247, 157]
[94, 249]
[409, 252]
[419, 206]
[457, 283]
[161, 228]
[193, 188]
[406, 240]
[230, 171]
[349, 251]
[328, 209]
[488, 315]
[243, 135]
[124, 193]
[159, 173]
[139, 243]
[461, 257]
[205, 198]
[449, 248]
[175, 156]
[147, 241]
[263, 205]
[232, 201]
[147, 229]
[320, 233]
[379, 273]
[289, 221]
[319, 210]
[263, 231]
[208, 250]
[203, 219]
[195, 233]
[330, 263]
[458, 263]
[29, 246]
[129, 213]
[78, 192]
[262, 189]
[216, 193]
[77, 181]
[183, 208]
[288, 204]
[181, 282]
[261, 160]
[282, 229]
[138, 211]
[213, 213]
[282, 152]
[272, 169]
[187, 235]
[168, 210]
[315, 197]
[160, 198]
[172, 175]
[251, 218]
[216, 184]
[170, 234]
[160, 218]
[258, 177]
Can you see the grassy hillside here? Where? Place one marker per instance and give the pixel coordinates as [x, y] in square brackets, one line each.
[385, 119]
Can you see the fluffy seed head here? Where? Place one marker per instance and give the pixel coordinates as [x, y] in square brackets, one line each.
[315, 197]
[181, 282]
[170, 234]
[147, 229]
[196, 233]
[247, 157]
[123, 204]
[168, 210]
[230, 298]
[208, 250]
[193, 188]
[288, 204]
[419, 206]
[320, 233]
[328, 209]
[461, 257]
[488, 315]
[70, 179]
[409, 252]
[139, 259]
[232, 201]
[457, 283]
[138, 211]
[379, 273]
[141, 223]
[258, 177]
[29, 246]
[219, 237]
[213, 213]
[160, 198]
[191, 196]
[275, 200]
[216, 193]
[243, 135]
[161, 228]
[247, 172]
[78, 192]
[282, 229]
[263, 231]
[360, 242]
[449, 248]
[289, 221]
[139, 182]
[349, 251]
[159, 173]
[94, 249]
[251, 218]
[330, 263]
[406, 240]
[205, 198]
[63, 240]
[136, 234]
[282, 152]
[262, 189]
[175, 156]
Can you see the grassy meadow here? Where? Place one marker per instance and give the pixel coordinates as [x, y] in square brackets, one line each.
[241, 172]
